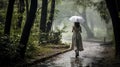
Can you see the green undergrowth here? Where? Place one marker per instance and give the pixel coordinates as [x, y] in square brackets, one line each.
[39, 50]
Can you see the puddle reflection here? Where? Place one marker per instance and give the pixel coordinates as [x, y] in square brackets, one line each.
[92, 56]
[76, 62]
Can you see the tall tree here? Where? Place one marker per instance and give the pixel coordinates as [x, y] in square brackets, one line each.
[26, 31]
[113, 9]
[21, 9]
[43, 16]
[51, 17]
[104, 14]
[27, 7]
[3, 4]
[85, 4]
[9, 17]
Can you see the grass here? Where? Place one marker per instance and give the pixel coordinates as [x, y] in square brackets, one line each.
[35, 51]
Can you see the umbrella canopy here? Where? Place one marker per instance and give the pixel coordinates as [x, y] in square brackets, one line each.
[77, 19]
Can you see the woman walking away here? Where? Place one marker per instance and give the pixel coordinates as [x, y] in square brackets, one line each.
[77, 39]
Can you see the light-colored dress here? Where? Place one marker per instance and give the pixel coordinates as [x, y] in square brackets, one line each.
[77, 39]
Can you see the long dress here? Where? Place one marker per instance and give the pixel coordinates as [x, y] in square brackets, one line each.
[77, 39]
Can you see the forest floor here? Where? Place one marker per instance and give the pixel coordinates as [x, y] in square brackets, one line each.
[94, 55]
[44, 52]
[48, 51]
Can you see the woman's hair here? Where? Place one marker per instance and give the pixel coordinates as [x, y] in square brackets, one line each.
[77, 24]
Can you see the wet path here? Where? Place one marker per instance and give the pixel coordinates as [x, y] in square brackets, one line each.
[92, 56]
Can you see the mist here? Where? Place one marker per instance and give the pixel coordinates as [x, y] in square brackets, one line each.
[96, 24]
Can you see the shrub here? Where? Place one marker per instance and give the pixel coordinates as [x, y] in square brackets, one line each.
[7, 50]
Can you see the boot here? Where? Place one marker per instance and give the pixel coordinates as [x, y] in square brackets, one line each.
[76, 53]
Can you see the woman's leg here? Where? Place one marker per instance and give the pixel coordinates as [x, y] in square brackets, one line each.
[77, 47]
[76, 53]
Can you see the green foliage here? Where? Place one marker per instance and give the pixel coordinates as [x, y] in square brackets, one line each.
[100, 6]
[57, 36]
[2, 15]
[56, 12]
[3, 4]
[58, 1]
[83, 3]
[7, 49]
[43, 38]
[102, 9]
[32, 50]
[61, 30]
[1, 28]
[53, 36]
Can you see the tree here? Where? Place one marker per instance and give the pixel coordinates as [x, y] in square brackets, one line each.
[51, 17]
[3, 4]
[114, 12]
[27, 7]
[26, 31]
[21, 9]
[85, 4]
[9, 17]
[101, 8]
[43, 16]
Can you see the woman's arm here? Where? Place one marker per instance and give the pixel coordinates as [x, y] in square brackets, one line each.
[72, 29]
[80, 29]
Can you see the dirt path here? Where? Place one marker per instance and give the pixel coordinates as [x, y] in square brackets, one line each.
[93, 56]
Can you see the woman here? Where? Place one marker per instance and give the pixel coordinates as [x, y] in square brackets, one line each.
[77, 39]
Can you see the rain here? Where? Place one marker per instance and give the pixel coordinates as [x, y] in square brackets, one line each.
[59, 33]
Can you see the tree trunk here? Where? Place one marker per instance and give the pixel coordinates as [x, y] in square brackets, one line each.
[9, 17]
[91, 25]
[27, 8]
[112, 7]
[49, 24]
[118, 6]
[21, 9]
[88, 31]
[26, 31]
[85, 25]
[43, 16]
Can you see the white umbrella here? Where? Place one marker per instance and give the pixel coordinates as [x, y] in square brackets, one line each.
[77, 19]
